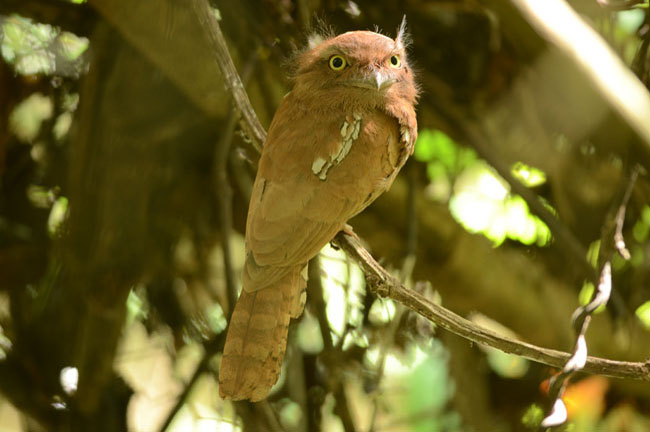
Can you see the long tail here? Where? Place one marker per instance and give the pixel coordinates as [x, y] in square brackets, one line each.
[257, 338]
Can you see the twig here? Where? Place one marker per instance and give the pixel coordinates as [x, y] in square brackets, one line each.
[264, 408]
[317, 300]
[611, 241]
[224, 192]
[224, 200]
[619, 241]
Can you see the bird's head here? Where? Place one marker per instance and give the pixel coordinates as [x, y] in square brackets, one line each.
[364, 65]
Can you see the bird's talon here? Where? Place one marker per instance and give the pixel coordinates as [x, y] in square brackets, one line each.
[348, 230]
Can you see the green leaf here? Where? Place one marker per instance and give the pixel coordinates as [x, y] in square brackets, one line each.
[585, 295]
[436, 145]
[643, 313]
[533, 417]
[424, 146]
[528, 175]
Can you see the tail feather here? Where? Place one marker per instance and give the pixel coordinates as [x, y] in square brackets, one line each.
[257, 338]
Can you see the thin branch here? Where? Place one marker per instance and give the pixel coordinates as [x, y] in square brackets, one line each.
[317, 301]
[224, 200]
[224, 192]
[619, 241]
[233, 83]
[385, 285]
[611, 241]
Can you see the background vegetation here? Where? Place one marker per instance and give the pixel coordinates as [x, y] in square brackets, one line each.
[125, 173]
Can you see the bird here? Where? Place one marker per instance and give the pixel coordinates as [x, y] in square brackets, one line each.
[336, 142]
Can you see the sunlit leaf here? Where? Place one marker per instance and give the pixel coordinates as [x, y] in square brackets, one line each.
[343, 283]
[528, 175]
[466, 157]
[640, 231]
[290, 414]
[630, 20]
[506, 365]
[58, 214]
[521, 226]
[436, 171]
[382, 311]
[543, 233]
[72, 45]
[533, 417]
[62, 126]
[216, 318]
[430, 374]
[424, 150]
[637, 256]
[25, 45]
[592, 253]
[435, 145]
[584, 297]
[309, 335]
[643, 313]
[642, 226]
[26, 118]
[135, 306]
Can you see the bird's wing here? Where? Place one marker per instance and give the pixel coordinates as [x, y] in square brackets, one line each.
[315, 173]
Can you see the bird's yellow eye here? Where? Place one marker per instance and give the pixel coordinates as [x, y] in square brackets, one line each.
[337, 63]
[395, 62]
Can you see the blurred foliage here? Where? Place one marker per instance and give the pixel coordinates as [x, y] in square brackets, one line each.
[478, 197]
[40, 48]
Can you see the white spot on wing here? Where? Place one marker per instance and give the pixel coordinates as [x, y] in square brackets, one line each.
[318, 165]
[344, 129]
[350, 130]
[405, 136]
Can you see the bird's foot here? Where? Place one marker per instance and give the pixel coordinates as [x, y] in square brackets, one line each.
[347, 230]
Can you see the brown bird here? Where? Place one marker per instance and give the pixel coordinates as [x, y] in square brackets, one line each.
[336, 142]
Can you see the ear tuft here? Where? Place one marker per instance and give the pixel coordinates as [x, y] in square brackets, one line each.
[322, 32]
[403, 39]
[314, 39]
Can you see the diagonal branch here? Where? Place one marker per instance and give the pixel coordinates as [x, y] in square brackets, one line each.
[382, 283]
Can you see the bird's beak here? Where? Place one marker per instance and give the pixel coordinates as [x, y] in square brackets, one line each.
[374, 81]
[381, 80]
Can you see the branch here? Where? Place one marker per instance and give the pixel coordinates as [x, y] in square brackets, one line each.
[383, 284]
[233, 83]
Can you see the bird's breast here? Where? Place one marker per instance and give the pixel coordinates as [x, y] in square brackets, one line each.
[364, 147]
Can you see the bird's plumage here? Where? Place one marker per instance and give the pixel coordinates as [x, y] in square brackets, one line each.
[336, 142]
